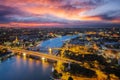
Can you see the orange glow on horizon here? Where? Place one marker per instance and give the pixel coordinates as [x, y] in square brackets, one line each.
[31, 24]
[95, 18]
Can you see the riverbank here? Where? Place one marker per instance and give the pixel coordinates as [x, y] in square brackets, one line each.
[5, 54]
[2, 58]
[32, 64]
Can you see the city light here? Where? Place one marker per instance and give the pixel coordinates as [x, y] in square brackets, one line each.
[50, 50]
[87, 54]
[43, 58]
[24, 54]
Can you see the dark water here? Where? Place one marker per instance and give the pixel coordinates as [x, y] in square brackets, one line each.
[21, 68]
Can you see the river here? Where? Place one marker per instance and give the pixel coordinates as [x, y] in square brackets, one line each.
[21, 68]
[54, 43]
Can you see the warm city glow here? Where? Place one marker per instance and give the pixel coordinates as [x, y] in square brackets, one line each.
[24, 54]
[43, 58]
[60, 39]
[50, 50]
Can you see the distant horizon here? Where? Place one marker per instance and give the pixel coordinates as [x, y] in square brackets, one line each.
[63, 27]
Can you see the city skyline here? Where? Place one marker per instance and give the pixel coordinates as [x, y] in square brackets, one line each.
[59, 13]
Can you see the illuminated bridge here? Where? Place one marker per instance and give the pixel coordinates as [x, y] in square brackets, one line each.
[41, 55]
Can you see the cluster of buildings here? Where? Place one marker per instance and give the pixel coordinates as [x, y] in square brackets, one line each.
[105, 41]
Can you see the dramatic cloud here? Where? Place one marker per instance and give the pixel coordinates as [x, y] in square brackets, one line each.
[58, 12]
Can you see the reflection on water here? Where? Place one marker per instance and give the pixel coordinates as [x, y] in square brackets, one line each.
[45, 65]
[22, 68]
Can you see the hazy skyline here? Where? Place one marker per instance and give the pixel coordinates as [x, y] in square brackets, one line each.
[59, 13]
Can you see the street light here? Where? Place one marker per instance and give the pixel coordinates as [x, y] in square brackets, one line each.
[24, 54]
[43, 58]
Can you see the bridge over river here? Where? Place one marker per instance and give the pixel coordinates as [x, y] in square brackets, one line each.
[42, 55]
[52, 43]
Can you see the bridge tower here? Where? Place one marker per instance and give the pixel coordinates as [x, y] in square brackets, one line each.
[50, 51]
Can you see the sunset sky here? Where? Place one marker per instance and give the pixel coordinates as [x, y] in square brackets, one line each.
[59, 13]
